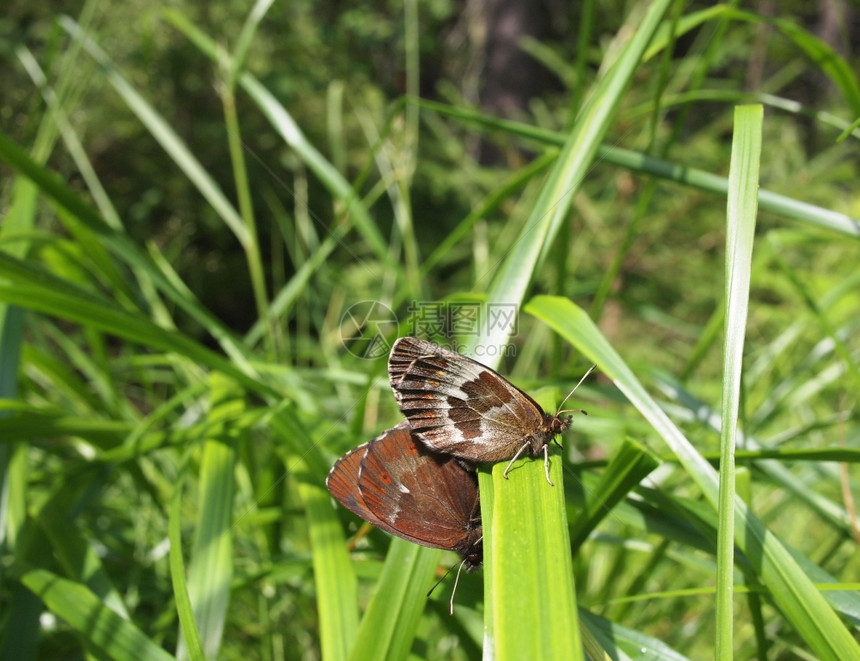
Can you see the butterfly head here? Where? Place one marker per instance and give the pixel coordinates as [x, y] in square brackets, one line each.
[560, 424]
[473, 553]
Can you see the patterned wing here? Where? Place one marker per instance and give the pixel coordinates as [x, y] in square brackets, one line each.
[458, 406]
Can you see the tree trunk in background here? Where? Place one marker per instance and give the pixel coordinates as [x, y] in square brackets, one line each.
[511, 77]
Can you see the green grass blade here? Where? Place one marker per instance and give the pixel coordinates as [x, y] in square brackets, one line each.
[184, 609]
[336, 585]
[334, 576]
[627, 468]
[526, 575]
[388, 627]
[789, 587]
[840, 71]
[549, 617]
[100, 627]
[577, 155]
[55, 516]
[164, 135]
[32, 287]
[742, 209]
[680, 173]
[210, 566]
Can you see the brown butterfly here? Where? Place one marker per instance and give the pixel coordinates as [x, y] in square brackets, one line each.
[398, 485]
[457, 406]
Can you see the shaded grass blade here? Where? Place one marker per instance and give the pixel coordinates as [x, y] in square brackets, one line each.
[97, 624]
[184, 610]
[292, 134]
[56, 191]
[164, 134]
[35, 288]
[627, 468]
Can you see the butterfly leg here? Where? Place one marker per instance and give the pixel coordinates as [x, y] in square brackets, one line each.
[454, 591]
[546, 464]
[516, 456]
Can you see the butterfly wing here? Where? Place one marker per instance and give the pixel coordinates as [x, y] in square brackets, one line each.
[342, 483]
[416, 491]
[458, 406]
[400, 487]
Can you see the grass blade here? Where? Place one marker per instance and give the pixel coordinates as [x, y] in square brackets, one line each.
[526, 575]
[210, 567]
[334, 576]
[190, 633]
[102, 628]
[550, 618]
[789, 587]
[389, 624]
[627, 468]
[742, 209]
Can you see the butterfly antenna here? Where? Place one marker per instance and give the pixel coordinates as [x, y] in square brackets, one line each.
[444, 576]
[584, 377]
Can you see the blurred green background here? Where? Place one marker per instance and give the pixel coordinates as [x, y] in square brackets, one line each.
[194, 195]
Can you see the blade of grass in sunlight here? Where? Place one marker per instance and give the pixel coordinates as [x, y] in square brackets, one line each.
[387, 629]
[210, 565]
[789, 587]
[335, 580]
[513, 626]
[334, 576]
[526, 575]
[741, 217]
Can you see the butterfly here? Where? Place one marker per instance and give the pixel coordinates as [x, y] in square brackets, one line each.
[460, 407]
[398, 485]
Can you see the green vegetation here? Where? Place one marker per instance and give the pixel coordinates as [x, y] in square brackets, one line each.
[196, 199]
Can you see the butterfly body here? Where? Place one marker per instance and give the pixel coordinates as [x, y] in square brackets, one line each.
[458, 406]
